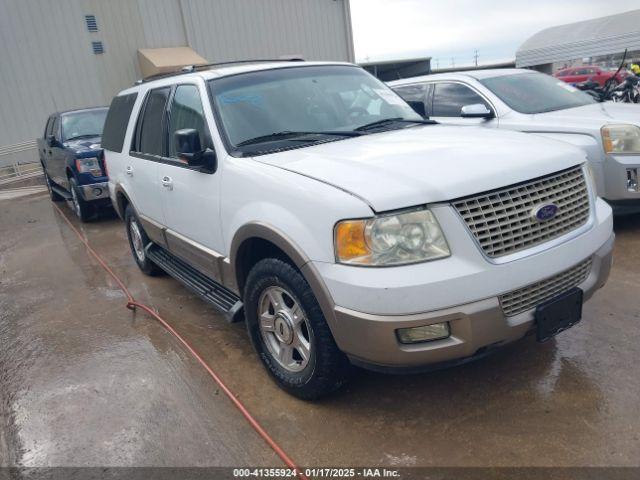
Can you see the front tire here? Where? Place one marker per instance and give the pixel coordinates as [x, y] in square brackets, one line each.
[138, 240]
[83, 209]
[289, 331]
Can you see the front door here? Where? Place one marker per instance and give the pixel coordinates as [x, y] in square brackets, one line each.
[448, 98]
[190, 198]
[56, 156]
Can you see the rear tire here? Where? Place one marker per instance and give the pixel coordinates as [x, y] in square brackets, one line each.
[83, 209]
[289, 331]
[138, 240]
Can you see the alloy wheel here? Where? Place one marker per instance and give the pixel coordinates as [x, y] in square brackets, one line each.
[285, 329]
[136, 240]
[76, 202]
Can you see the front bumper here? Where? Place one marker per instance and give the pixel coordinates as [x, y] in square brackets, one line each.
[95, 191]
[619, 172]
[478, 327]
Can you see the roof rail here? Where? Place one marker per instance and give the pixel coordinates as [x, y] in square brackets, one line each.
[196, 68]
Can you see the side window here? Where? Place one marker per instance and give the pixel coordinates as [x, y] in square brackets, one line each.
[449, 98]
[115, 126]
[150, 129]
[186, 112]
[55, 128]
[49, 127]
[416, 96]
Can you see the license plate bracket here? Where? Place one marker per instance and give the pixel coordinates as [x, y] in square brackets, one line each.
[558, 314]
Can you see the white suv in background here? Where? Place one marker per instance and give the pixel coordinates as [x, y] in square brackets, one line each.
[348, 229]
[532, 102]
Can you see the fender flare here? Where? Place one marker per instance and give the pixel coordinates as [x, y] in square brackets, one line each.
[121, 192]
[275, 236]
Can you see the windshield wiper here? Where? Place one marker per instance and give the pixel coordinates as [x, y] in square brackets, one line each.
[86, 135]
[386, 121]
[290, 135]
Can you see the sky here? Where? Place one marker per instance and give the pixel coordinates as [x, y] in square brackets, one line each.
[393, 29]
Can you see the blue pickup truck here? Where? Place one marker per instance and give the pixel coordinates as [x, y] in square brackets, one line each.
[72, 160]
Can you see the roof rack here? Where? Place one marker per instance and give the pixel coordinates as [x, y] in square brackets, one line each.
[196, 68]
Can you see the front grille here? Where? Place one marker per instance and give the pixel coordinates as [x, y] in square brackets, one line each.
[528, 297]
[502, 221]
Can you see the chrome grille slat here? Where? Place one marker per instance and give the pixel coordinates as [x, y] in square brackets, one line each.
[501, 221]
[528, 297]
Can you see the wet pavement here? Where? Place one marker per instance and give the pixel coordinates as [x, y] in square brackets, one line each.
[84, 381]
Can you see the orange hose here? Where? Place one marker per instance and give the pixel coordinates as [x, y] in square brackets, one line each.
[132, 304]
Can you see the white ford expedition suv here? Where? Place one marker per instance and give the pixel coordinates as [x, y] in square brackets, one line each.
[347, 229]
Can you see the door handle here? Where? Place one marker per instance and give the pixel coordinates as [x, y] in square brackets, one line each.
[129, 170]
[167, 183]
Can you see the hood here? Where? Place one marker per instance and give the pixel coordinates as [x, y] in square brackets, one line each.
[594, 115]
[427, 164]
[85, 144]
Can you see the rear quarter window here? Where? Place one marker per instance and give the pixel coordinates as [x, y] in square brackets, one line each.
[115, 125]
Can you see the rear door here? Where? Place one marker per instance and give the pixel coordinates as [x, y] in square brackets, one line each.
[191, 198]
[147, 150]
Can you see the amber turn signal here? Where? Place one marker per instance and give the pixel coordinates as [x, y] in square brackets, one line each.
[350, 242]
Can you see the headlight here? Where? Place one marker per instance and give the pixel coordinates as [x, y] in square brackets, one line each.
[89, 165]
[397, 239]
[621, 138]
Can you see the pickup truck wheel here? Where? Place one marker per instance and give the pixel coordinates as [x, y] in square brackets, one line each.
[55, 197]
[83, 209]
[289, 331]
[138, 240]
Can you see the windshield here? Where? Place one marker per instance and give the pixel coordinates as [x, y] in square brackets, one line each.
[536, 92]
[83, 124]
[271, 110]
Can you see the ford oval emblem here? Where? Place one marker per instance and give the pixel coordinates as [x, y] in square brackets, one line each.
[542, 213]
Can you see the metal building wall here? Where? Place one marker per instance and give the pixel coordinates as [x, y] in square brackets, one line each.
[221, 30]
[590, 38]
[47, 63]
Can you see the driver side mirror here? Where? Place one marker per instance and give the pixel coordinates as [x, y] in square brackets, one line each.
[476, 110]
[51, 141]
[189, 148]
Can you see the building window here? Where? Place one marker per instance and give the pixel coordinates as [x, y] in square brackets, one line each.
[92, 24]
[98, 48]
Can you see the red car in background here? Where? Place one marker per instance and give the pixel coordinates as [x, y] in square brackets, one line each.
[586, 72]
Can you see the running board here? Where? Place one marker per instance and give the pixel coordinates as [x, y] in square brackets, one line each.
[227, 302]
[61, 191]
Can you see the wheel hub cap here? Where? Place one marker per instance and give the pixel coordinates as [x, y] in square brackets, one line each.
[74, 199]
[136, 239]
[283, 328]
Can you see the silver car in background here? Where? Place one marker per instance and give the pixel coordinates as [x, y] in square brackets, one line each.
[528, 101]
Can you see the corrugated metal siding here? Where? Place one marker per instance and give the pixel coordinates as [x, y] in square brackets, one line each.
[162, 23]
[222, 30]
[584, 49]
[589, 38]
[47, 63]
